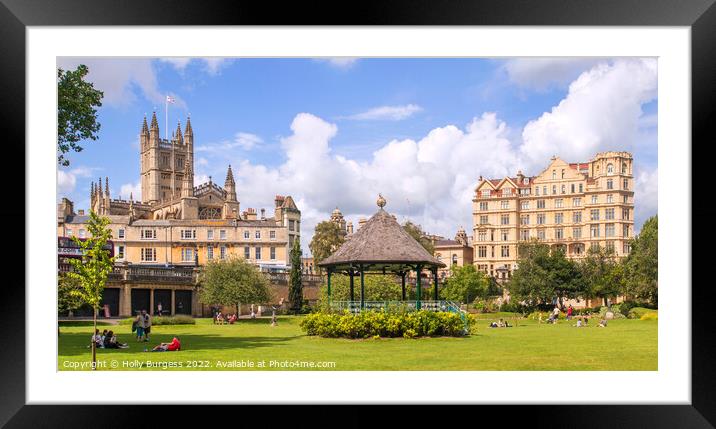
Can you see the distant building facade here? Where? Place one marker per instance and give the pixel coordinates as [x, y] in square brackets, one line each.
[573, 206]
[454, 253]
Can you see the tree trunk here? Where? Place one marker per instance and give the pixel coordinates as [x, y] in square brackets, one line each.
[561, 304]
[94, 343]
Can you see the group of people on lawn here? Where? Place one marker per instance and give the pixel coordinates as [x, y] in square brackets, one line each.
[582, 320]
[220, 319]
[142, 325]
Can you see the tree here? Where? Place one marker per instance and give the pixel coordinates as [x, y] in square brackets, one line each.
[602, 273]
[232, 281]
[327, 238]
[295, 292]
[416, 231]
[464, 284]
[641, 267]
[77, 103]
[68, 298]
[530, 281]
[564, 276]
[91, 270]
[377, 288]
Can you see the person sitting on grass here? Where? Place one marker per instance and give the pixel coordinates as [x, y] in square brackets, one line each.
[579, 323]
[219, 319]
[232, 318]
[603, 323]
[111, 342]
[96, 339]
[174, 345]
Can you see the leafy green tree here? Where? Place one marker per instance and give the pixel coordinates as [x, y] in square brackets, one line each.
[530, 281]
[416, 231]
[232, 281]
[91, 270]
[68, 297]
[641, 267]
[377, 288]
[564, 276]
[327, 238]
[295, 293]
[464, 284]
[77, 103]
[602, 273]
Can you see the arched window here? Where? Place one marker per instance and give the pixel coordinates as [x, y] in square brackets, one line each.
[624, 168]
[454, 259]
[554, 174]
[610, 168]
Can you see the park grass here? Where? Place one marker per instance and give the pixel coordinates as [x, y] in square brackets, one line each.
[624, 345]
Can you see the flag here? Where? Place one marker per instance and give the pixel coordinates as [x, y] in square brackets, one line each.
[170, 99]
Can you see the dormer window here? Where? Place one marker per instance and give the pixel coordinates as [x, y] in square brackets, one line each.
[554, 174]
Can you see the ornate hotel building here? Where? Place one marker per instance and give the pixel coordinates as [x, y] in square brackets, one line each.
[179, 225]
[573, 206]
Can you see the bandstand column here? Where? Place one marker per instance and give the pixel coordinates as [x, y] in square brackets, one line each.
[402, 281]
[435, 282]
[328, 282]
[362, 288]
[350, 274]
[418, 287]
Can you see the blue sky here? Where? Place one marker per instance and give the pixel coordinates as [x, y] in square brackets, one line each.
[335, 132]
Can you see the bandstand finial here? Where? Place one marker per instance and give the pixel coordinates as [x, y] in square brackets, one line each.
[381, 201]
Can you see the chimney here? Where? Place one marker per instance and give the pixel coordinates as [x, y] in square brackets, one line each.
[81, 212]
[349, 228]
[361, 222]
[263, 214]
[250, 214]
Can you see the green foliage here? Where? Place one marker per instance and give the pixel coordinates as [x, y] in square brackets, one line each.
[637, 312]
[77, 103]
[327, 238]
[514, 307]
[626, 306]
[377, 288]
[464, 285]
[652, 315]
[179, 319]
[233, 281]
[68, 294]
[385, 324]
[602, 273]
[642, 265]
[295, 287]
[416, 231]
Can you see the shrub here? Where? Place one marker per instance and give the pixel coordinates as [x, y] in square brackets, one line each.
[637, 312]
[514, 307]
[385, 324]
[615, 310]
[180, 319]
[653, 315]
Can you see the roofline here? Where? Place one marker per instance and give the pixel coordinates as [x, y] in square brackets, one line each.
[439, 264]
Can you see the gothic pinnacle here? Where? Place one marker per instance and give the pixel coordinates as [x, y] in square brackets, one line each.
[188, 126]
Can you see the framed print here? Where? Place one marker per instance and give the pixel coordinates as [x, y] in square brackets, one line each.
[402, 205]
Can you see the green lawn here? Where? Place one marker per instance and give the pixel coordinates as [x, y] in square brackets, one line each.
[624, 345]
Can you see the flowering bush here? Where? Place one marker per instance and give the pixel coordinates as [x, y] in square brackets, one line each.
[381, 324]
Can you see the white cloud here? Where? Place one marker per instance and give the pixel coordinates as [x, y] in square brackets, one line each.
[133, 189]
[340, 62]
[213, 66]
[386, 113]
[544, 73]
[245, 141]
[179, 63]
[67, 179]
[646, 194]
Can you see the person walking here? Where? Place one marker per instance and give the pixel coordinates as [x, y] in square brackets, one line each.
[139, 325]
[570, 310]
[146, 324]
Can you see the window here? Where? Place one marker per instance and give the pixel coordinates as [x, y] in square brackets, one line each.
[482, 251]
[505, 234]
[272, 235]
[149, 234]
[222, 252]
[625, 230]
[82, 233]
[562, 173]
[485, 193]
[120, 252]
[559, 233]
[507, 192]
[576, 202]
[258, 252]
[595, 199]
[483, 220]
[188, 234]
[610, 184]
[540, 234]
[544, 190]
[492, 251]
[187, 255]
[454, 259]
[581, 189]
[524, 205]
[577, 217]
[492, 235]
[626, 199]
[627, 248]
[222, 234]
[610, 169]
[148, 254]
[626, 184]
[554, 189]
[576, 232]
[594, 231]
[482, 236]
[505, 219]
[609, 230]
[210, 252]
[572, 190]
[525, 220]
[247, 252]
[594, 214]
[505, 251]
[554, 175]
[558, 218]
[540, 204]
[625, 214]
[541, 218]
[247, 235]
[483, 205]
[120, 233]
[594, 247]
[504, 204]
[564, 189]
[610, 198]
[524, 234]
[273, 253]
[610, 246]
[209, 234]
[609, 214]
[537, 190]
[258, 234]
[291, 225]
[624, 171]
[558, 203]
[69, 232]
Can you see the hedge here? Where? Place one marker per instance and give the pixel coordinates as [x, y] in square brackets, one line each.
[381, 324]
[164, 320]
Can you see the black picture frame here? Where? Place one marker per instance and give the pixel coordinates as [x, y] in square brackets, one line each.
[700, 16]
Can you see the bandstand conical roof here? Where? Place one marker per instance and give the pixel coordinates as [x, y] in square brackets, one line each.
[381, 244]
